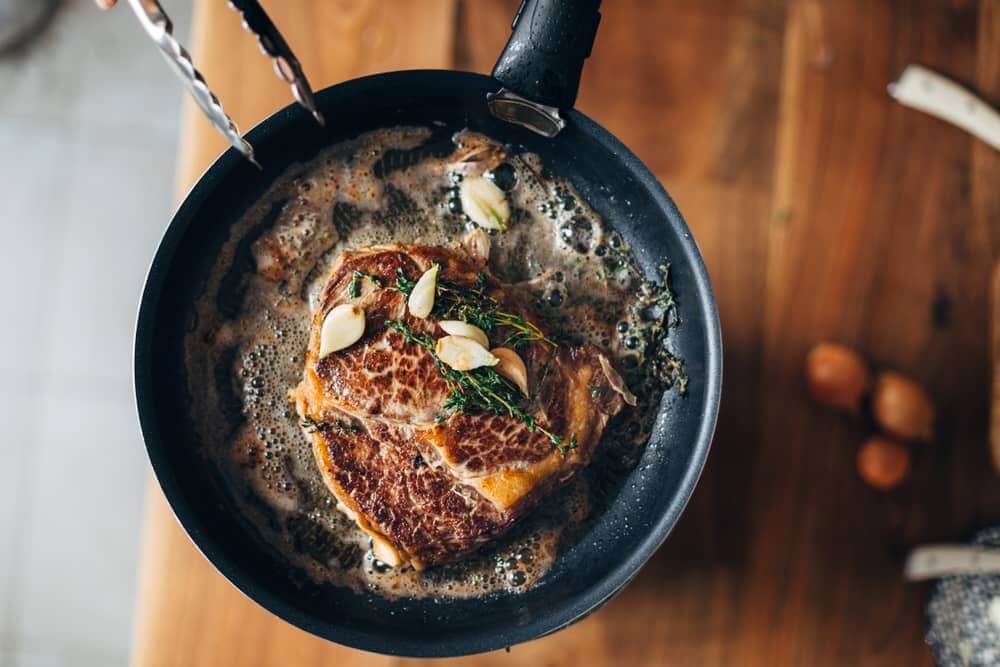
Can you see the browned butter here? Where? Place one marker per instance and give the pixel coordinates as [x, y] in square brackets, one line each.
[400, 185]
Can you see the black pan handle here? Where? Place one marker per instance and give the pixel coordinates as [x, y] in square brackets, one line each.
[543, 59]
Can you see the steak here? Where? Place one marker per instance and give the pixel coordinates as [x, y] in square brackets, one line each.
[428, 482]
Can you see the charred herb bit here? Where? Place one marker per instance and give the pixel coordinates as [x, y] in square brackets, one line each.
[565, 447]
[403, 284]
[673, 367]
[345, 426]
[309, 425]
[619, 258]
[481, 390]
[656, 310]
[354, 289]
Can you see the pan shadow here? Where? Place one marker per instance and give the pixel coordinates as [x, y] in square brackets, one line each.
[715, 530]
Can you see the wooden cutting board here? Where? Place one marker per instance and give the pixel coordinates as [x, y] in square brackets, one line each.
[995, 349]
[824, 211]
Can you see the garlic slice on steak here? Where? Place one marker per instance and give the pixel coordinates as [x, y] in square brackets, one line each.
[511, 367]
[421, 301]
[459, 328]
[463, 354]
[484, 203]
[342, 327]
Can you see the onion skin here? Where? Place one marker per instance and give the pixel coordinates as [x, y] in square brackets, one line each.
[837, 377]
[902, 407]
[883, 463]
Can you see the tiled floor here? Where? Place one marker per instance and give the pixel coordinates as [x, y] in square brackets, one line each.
[88, 133]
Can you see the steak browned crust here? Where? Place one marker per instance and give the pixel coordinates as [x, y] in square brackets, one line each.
[380, 478]
[427, 484]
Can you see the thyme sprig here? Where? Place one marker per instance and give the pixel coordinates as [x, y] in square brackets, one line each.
[657, 306]
[481, 390]
[310, 425]
[473, 305]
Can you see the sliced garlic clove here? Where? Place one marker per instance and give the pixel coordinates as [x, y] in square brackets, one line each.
[421, 301]
[463, 354]
[343, 327]
[511, 367]
[484, 203]
[459, 328]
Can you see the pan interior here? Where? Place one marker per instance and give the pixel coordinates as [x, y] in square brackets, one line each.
[616, 186]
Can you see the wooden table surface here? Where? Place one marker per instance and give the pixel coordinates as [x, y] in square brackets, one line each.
[824, 211]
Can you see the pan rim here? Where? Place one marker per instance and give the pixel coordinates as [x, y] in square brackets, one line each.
[585, 601]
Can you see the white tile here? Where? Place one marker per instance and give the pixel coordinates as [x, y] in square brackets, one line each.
[83, 517]
[32, 217]
[56, 654]
[119, 200]
[90, 110]
[95, 67]
[16, 434]
[36, 79]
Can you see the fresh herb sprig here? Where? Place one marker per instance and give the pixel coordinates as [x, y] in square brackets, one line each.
[310, 425]
[473, 305]
[481, 390]
[403, 284]
[657, 307]
[411, 336]
[354, 289]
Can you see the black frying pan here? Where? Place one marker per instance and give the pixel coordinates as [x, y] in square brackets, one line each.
[542, 63]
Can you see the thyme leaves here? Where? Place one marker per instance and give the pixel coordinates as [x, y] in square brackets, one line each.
[309, 425]
[482, 390]
[471, 304]
[403, 284]
[656, 312]
[354, 288]
[343, 426]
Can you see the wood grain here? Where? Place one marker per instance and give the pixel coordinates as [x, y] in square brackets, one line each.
[995, 359]
[824, 211]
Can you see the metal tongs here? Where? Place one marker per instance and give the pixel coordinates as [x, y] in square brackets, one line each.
[157, 25]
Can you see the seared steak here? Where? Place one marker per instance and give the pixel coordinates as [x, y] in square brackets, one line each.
[428, 482]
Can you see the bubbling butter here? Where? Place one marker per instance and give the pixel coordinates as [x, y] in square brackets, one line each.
[248, 346]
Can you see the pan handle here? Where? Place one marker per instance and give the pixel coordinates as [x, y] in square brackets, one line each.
[540, 66]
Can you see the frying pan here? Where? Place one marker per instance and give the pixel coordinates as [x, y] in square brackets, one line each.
[539, 71]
